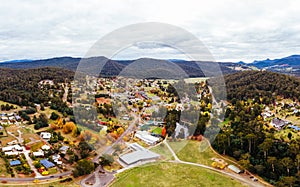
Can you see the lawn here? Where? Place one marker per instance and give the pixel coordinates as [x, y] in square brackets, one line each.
[5, 140]
[190, 151]
[163, 151]
[36, 146]
[157, 130]
[171, 174]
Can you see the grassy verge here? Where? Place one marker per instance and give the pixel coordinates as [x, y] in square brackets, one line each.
[163, 151]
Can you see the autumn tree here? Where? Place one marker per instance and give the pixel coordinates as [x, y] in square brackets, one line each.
[69, 127]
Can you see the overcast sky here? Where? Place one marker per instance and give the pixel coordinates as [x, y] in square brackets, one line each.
[232, 30]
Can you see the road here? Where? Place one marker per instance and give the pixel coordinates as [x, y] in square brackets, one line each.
[66, 90]
[30, 163]
[106, 178]
[19, 138]
[40, 178]
[99, 179]
[235, 176]
[109, 149]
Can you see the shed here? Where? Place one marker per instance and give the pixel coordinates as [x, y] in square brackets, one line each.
[235, 169]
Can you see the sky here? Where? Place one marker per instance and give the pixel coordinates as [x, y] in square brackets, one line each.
[232, 30]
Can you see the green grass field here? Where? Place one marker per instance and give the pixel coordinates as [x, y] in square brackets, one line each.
[163, 151]
[190, 151]
[171, 174]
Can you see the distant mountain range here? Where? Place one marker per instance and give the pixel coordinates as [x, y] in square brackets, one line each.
[288, 65]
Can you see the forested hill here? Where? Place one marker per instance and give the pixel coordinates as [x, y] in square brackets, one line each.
[261, 84]
[20, 86]
[114, 67]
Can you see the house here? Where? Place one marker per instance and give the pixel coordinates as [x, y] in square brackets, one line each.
[8, 148]
[12, 142]
[18, 147]
[12, 147]
[45, 135]
[57, 159]
[64, 149]
[278, 123]
[11, 153]
[45, 147]
[266, 114]
[18, 118]
[15, 162]
[38, 154]
[47, 164]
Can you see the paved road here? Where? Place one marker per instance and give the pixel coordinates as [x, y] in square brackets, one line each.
[32, 178]
[99, 179]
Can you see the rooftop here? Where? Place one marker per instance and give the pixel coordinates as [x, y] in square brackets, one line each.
[139, 155]
[15, 162]
[47, 164]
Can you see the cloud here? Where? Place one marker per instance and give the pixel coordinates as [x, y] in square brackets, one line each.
[232, 30]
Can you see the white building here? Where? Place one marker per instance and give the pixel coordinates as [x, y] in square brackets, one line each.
[38, 154]
[45, 135]
[146, 137]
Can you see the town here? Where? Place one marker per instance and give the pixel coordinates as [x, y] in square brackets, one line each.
[130, 122]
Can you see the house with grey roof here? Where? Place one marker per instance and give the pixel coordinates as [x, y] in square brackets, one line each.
[278, 123]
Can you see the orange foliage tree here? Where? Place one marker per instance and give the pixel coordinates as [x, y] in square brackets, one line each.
[69, 127]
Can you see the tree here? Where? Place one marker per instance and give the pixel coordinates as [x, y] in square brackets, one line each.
[106, 160]
[69, 127]
[272, 161]
[250, 138]
[298, 162]
[84, 149]
[265, 146]
[42, 107]
[54, 116]
[288, 163]
[83, 167]
[286, 181]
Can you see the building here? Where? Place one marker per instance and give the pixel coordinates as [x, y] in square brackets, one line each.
[64, 149]
[12, 147]
[11, 153]
[38, 154]
[146, 137]
[235, 169]
[140, 154]
[278, 123]
[57, 159]
[45, 135]
[47, 164]
[45, 147]
[15, 162]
